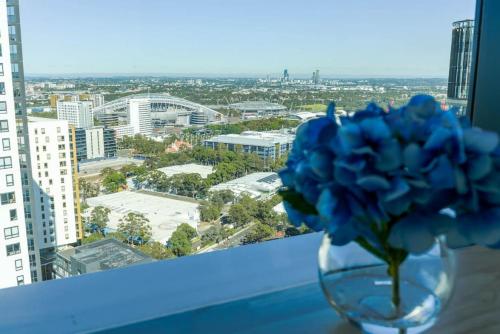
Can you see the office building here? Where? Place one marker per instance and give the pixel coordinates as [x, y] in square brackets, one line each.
[123, 131]
[98, 256]
[315, 77]
[95, 99]
[19, 259]
[139, 116]
[77, 113]
[98, 142]
[53, 194]
[267, 145]
[286, 76]
[460, 62]
[107, 119]
[256, 185]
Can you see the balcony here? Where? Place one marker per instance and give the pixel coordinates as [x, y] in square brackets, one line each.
[266, 288]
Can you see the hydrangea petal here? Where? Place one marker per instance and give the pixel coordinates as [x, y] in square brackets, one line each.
[399, 187]
[349, 137]
[344, 176]
[344, 234]
[326, 204]
[412, 234]
[373, 183]
[389, 156]
[442, 176]
[479, 141]
[375, 129]
[413, 157]
[479, 167]
[437, 139]
[461, 181]
[322, 163]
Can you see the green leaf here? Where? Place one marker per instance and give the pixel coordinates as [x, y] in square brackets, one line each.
[298, 202]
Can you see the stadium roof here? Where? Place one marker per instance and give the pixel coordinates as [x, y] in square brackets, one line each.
[254, 138]
[122, 103]
[257, 106]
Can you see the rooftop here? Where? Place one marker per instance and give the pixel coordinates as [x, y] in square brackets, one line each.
[164, 214]
[257, 106]
[254, 138]
[255, 185]
[204, 171]
[95, 167]
[35, 119]
[105, 254]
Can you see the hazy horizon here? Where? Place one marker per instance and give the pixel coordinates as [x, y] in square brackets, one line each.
[359, 38]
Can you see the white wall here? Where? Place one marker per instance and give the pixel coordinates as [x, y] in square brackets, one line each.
[52, 177]
[139, 115]
[8, 272]
[95, 143]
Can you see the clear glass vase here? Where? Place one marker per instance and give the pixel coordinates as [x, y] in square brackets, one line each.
[358, 286]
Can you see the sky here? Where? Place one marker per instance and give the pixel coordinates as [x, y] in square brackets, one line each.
[341, 38]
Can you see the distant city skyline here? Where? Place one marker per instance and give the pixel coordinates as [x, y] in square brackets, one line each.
[223, 38]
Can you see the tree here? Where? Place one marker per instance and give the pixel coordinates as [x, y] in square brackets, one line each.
[100, 217]
[135, 226]
[114, 181]
[92, 238]
[180, 241]
[214, 234]
[156, 250]
[291, 231]
[221, 197]
[209, 212]
[265, 214]
[87, 189]
[188, 230]
[258, 232]
[239, 215]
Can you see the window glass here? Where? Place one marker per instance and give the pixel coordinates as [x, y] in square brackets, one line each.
[11, 232]
[5, 162]
[6, 144]
[4, 126]
[203, 122]
[13, 249]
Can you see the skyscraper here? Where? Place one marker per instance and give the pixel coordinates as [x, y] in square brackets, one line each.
[286, 76]
[315, 77]
[19, 258]
[460, 62]
[77, 113]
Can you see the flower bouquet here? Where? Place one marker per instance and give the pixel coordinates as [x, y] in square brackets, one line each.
[394, 182]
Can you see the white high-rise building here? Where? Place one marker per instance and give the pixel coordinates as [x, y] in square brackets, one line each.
[18, 257]
[139, 116]
[97, 100]
[77, 113]
[53, 193]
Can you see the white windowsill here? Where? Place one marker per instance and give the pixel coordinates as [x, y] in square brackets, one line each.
[138, 293]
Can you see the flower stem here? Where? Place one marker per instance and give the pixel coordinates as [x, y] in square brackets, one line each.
[396, 292]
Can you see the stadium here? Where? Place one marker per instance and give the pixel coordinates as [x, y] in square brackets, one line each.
[165, 110]
[255, 109]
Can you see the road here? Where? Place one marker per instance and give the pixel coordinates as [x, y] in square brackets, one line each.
[232, 241]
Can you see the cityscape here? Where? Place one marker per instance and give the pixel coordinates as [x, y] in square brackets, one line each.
[101, 172]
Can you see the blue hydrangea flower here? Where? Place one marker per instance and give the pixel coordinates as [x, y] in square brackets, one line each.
[396, 171]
